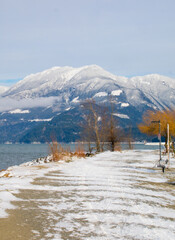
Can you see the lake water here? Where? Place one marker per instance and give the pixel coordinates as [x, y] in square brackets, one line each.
[15, 154]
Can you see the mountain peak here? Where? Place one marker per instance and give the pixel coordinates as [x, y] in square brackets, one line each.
[68, 83]
[3, 89]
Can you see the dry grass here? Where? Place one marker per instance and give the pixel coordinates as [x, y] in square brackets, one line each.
[54, 150]
[79, 150]
[118, 147]
[7, 175]
[59, 152]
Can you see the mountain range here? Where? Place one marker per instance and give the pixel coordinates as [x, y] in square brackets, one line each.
[49, 103]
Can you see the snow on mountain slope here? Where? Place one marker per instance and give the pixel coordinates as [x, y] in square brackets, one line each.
[67, 84]
[61, 78]
[40, 84]
[3, 89]
[57, 78]
[159, 89]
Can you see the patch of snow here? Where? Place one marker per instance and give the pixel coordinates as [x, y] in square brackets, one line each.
[116, 92]
[121, 115]
[124, 104]
[99, 119]
[41, 120]
[101, 94]
[3, 120]
[75, 100]
[19, 111]
[5, 202]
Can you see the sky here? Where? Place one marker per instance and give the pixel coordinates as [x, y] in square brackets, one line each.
[125, 37]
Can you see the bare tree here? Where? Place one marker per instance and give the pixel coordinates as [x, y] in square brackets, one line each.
[87, 133]
[113, 131]
[128, 137]
[92, 119]
[100, 125]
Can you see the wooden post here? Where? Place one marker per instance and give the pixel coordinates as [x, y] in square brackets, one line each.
[160, 151]
[168, 143]
[159, 136]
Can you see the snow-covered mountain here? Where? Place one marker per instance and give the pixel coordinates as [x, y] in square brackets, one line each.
[42, 96]
[72, 85]
[3, 89]
[63, 79]
[160, 90]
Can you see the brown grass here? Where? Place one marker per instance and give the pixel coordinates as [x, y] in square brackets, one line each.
[59, 152]
[118, 147]
[79, 150]
[7, 175]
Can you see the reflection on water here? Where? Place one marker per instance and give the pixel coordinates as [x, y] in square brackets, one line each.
[110, 196]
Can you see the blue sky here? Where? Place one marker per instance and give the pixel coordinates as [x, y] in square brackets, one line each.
[125, 37]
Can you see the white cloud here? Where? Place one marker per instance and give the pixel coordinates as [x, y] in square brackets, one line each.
[9, 104]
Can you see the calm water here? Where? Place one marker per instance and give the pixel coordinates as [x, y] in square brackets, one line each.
[15, 154]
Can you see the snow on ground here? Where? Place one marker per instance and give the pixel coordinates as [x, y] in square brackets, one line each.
[109, 196]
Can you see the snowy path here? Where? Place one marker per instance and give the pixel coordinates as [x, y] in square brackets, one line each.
[109, 196]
